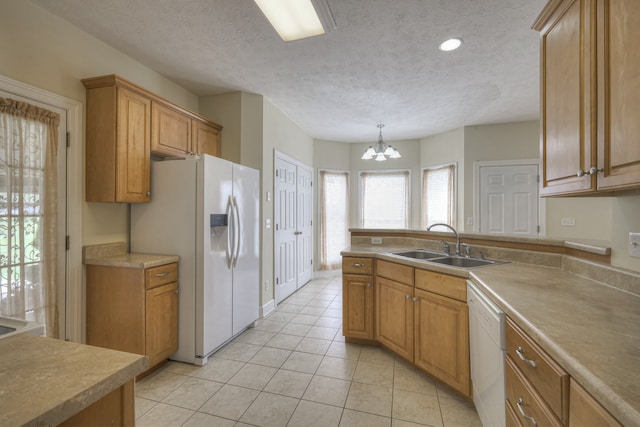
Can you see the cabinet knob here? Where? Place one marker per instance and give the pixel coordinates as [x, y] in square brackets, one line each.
[415, 299]
[408, 296]
[368, 285]
[148, 193]
[592, 171]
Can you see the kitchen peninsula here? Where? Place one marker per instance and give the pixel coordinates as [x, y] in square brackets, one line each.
[582, 313]
[49, 382]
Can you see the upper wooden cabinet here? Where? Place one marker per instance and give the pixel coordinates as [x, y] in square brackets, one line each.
[117, 148]
[175, 134]
[589, 96]
[126, 124]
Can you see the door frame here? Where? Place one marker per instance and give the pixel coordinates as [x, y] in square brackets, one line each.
[75, 179]
[542, 203]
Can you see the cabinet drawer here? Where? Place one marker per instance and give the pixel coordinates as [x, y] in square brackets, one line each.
[397, 272]
[442, 284]
[156, 276]
[522, 397]
[547, 377]
[352, 265]
[512, 418]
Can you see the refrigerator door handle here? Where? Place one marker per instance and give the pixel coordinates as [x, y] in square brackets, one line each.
[237, 232]
[229, 250]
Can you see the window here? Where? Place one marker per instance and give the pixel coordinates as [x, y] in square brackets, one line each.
[384, 198]
[334, 217]
[28, 213]
[439, 195]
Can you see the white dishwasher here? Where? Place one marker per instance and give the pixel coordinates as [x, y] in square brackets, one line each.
[487, 347]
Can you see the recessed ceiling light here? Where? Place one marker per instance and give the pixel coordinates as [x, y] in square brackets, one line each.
[449, 45]
[297, 19]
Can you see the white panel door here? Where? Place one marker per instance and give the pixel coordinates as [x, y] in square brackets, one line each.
[285, 229]
[304, 225]
[508, 197]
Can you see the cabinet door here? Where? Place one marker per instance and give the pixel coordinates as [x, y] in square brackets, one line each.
[206, 138]
[357, 306]
[585, 411]
[161, 335]
[618, 94]
[394, 316]
[133, 167]
[567, 142]
[442, 339]
[170, 131]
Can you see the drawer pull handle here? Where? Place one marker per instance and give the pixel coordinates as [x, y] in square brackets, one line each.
[357, 264]
[164, 274]
[530, 362]
[525, 416]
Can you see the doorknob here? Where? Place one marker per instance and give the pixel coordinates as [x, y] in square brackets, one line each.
[297, 233]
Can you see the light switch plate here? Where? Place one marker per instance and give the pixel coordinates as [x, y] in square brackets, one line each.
[568, 222]
[634, 245]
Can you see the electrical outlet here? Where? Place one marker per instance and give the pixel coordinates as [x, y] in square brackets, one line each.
[634, 245]
[376, 240]
[568, 222]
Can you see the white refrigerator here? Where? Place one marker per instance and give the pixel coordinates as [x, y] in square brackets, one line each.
[206, 210]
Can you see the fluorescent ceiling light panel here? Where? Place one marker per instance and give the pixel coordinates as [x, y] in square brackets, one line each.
[292, 19]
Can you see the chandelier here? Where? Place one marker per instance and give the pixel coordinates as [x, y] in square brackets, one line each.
[380, 152]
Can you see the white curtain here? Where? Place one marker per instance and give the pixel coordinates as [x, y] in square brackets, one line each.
[334, 218]
[28, 213]
[439, 196]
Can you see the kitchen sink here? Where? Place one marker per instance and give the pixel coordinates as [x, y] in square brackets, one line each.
[420, 254]
[441, 258]
[463, 262]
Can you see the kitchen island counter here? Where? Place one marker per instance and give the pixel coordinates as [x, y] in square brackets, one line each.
[47, 381]
[588, 326]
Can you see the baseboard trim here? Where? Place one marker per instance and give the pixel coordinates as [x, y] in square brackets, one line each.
[267, 308]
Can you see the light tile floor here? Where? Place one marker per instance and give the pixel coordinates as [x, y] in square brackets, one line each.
[294, 369]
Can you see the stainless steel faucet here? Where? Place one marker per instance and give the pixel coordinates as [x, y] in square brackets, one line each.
[454, 232]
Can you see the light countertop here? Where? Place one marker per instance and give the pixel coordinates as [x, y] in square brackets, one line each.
[115, 255]
[46, 381]
[590, 328]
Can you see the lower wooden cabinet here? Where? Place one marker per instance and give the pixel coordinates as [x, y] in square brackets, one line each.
[585, 411]
[394, 316]
[114, 409]
[357, 300]
[442, 339]
[133, 309]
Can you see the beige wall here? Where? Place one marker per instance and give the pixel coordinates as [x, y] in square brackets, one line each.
[225, 110]
[44, 51]
[446, 148]
[279, 133]
[625, 218]
[505, 141]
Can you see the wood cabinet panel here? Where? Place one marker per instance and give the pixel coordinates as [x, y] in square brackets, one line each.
[394, 316]
[170, 131]
[205, 138]
[585, 411]
[397, 272]
[353, 265]
[115, 306]
[161, 332]
[358, 306]
[114, 409]
[519, 393]
[442, 339]
[567, 142]
[442, 284]
[618, 94]
[547, 377]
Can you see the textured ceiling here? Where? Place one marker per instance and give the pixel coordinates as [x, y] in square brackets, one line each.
[380, 65]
